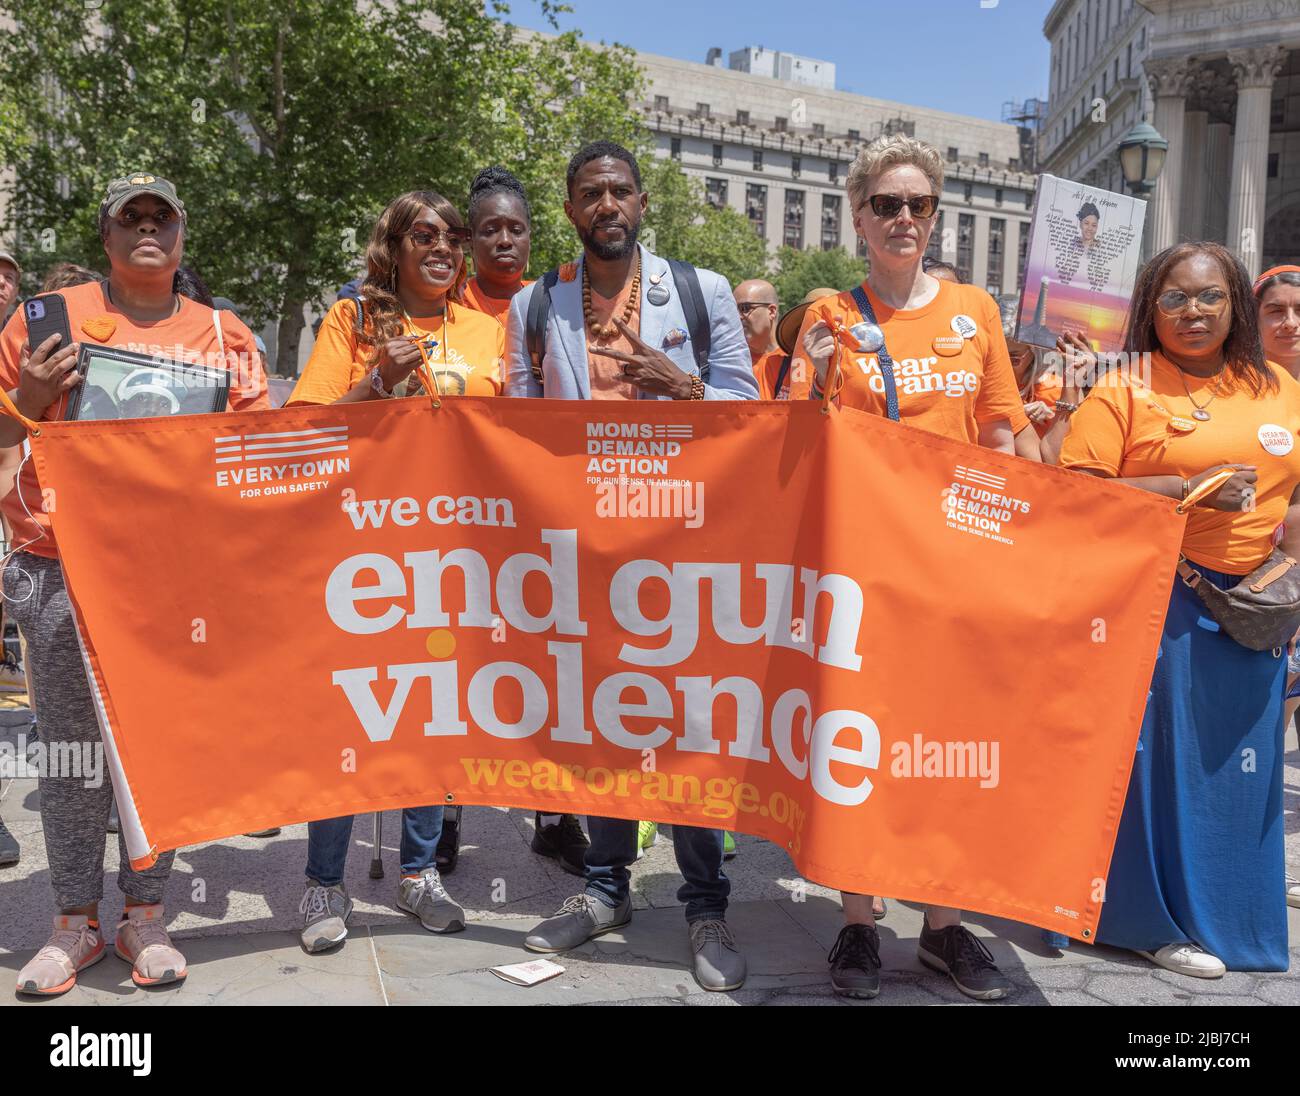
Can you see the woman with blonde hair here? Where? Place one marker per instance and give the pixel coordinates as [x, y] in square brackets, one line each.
[959, 384]
[369, 349]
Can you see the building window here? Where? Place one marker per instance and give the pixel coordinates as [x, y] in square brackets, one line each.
[661, 103]
[781, 124]
[717, 155]
[997, 249]
[1029, 199]
[1272, 165]
[701, 110]
[758, 159]
[756, 208]
[997, 196]
[984, 159]
[830, 221]
[715, 192]
[965, 246]
[675, 149]
[1128, 62]
[793, 224]
[742, 117]
[1115, 77]
[855, 135]
[796, 166]
[934, 249]
[952, 154]
[1014, 163]
[1024, 256]
[1278, 114]
[968, 191]
[833, 172]
[819, 129]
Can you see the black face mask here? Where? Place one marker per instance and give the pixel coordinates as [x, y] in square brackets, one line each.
[610, 251]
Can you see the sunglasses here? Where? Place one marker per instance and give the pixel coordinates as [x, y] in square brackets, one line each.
[889, 205]
[1210, 301]
[749, 306]
[456, 238]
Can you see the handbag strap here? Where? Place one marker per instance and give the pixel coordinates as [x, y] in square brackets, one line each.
[883, 359]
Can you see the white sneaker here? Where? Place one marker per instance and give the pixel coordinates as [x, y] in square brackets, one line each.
[1292, 890]
[1187, 959]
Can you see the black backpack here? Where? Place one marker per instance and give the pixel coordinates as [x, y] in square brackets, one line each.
[685, 279]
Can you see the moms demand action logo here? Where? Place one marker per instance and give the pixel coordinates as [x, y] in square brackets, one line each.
[976, 502]
[303, 458]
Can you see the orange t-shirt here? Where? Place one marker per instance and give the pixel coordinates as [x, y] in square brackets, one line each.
[796, 385]
[1047, 389]
[947, 384]
[496, 307]
[188, 336]
[465, 362]
[1125, 428]
[606, 374]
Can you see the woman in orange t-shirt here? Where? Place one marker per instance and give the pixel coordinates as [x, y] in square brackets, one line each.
[369, 350]
[953, 377]
[502, 226]
[1196, 876]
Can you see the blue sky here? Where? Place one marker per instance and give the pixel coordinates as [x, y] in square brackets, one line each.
[946, 54]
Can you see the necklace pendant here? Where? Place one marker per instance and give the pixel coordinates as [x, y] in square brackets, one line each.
[1201, 414]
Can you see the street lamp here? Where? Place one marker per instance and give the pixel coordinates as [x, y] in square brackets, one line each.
[1142, 157]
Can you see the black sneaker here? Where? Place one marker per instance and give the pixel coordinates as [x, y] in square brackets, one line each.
[449, 841]
[563, 841]
[957, 952]
[9, 851]
[855, 962]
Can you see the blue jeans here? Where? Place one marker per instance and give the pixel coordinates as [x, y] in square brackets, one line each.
[328, 841]
[699, 857]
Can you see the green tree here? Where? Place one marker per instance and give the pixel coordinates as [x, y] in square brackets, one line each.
[799, 271]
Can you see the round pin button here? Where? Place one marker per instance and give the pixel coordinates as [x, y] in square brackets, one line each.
[948, 346]
[870, 337]
[964, 326]
[1276, 440]
[1181, 426]
[657, 295]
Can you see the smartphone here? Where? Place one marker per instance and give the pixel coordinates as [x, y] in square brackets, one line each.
[46, 315]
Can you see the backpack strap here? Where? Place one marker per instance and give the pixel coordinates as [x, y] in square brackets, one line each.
[697, 315]
[781, 375]
[359, 320]
[883, 359]
[539, 312]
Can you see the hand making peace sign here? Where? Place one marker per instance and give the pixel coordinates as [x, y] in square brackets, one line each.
[649, 369]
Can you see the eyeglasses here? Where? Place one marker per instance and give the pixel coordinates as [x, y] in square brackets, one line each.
[749, 306]
[889, 205]
[1210, 301]
[456, 238]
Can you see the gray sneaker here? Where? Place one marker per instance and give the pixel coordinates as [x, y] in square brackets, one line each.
[579, 919]
[719, 963]
[428, 899]
[325, 913]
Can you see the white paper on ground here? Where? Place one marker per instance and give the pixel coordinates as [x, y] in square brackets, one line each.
[530, 973]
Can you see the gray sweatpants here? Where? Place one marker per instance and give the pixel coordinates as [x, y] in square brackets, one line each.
[73, 816]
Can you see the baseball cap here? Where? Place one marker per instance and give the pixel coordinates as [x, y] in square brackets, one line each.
[5, 257]
[121, 191]
[787, 327]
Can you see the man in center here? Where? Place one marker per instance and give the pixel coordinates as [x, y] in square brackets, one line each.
[617, 328]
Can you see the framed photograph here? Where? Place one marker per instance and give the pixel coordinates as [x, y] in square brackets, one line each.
[119, 384]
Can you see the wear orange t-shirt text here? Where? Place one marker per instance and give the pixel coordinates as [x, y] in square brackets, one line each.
[947, 384]
[796, 385]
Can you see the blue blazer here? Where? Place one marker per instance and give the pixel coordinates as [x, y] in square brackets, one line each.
[564, 365]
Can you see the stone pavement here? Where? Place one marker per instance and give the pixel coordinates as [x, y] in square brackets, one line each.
[234, 910]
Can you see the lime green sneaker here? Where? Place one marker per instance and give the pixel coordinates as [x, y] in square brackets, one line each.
[728, 846]
[647, 834]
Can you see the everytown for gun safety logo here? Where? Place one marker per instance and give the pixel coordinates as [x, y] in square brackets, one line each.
[976, 502]
[283, 462]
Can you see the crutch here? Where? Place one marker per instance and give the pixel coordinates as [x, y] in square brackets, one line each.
[377, 860]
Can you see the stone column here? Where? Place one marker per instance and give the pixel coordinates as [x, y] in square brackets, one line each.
[1192, 222]
[1218, 161]
[1255, 70]
[1169, 80]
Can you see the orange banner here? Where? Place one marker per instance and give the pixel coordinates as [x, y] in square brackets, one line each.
[917, 665]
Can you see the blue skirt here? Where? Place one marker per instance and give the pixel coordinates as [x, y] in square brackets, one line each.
[1199, 854]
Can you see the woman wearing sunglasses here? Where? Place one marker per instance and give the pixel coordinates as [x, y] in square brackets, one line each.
[369, 350]
[1195, 880]
[954, 378]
